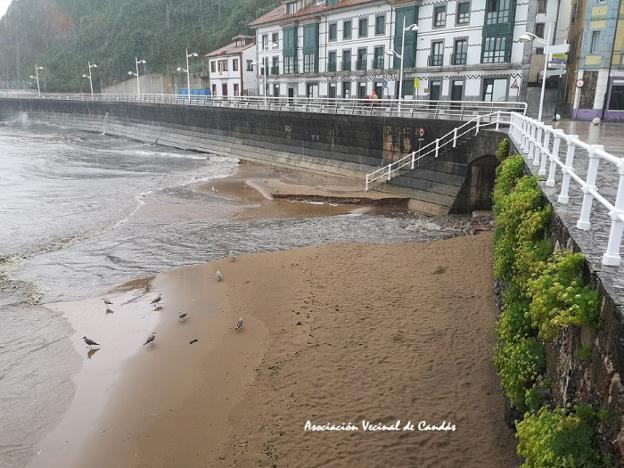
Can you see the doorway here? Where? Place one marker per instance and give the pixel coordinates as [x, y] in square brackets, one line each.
[457, 90]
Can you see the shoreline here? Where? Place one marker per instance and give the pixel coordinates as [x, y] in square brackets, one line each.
[242, 399]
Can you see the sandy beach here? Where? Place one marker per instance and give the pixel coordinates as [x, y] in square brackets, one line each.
[333, 334]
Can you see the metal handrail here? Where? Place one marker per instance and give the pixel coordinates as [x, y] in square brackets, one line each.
[534, 139]
[475, 125]
[455, 110]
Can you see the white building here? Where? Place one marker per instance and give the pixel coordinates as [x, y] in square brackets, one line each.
[231, 68]
[464, 49]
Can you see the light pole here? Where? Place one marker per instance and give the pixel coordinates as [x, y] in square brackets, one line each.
[188, 72]
[401, 56]
[36, 77]
[90, 76]
[530, 37]
[265, 75]
[131, 73]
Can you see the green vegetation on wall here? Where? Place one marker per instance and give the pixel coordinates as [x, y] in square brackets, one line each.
[544, 292]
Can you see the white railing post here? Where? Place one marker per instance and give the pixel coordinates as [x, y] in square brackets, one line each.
[531, 131]
[437, 147]
[569, 163]
[590, 185]
[552, 172]
[455, 137]
[612, 255]
[413, 159]
[389, 176]
[498, 116]
[547, 131]
[526, 134]
[537, 150]
[366, 187]
[478, 123]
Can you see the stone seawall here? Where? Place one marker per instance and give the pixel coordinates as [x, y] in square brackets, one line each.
[351, 145]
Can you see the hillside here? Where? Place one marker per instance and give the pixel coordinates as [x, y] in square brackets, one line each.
[62, 35]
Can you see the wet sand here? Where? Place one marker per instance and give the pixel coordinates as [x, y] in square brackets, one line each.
[332, 334]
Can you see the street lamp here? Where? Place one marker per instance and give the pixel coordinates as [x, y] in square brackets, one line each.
[90, 76]
[36, 77]
[530, 37]
[401, 56]
[131, 73]
[188, 72]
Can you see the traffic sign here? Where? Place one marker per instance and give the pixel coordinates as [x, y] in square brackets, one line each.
[416, 83]
[580, 83]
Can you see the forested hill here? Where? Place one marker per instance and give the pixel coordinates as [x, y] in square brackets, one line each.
[62, 35]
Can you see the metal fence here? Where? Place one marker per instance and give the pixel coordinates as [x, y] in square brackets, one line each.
[598, 176]
[452, 110]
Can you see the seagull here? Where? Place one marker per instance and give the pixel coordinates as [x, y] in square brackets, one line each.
[239, 323]
[107, 302]
[214, 190]
[183, 316]
[219, 275]
[90, 342]
[150, 339]
[156, 301]
[232, 256]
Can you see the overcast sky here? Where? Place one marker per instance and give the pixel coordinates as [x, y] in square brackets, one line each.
[4, 4]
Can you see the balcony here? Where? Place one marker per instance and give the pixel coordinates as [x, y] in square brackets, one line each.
[275, 70]
[436, 60]
[459, 59]
[360, 64]
[378, 63]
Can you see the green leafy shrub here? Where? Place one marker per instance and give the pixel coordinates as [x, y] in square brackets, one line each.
[520, 363]
[507, 174]
[550, 438]
[560, 299]
[515, 320]
[502, 152]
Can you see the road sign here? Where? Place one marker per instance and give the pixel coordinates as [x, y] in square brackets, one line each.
[580, 83]
[421, 132]
[416, 83]
[514, 85]
[559, 49]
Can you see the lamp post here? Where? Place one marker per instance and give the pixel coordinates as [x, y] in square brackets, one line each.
[90, 76]
[131, 73]
[265, 75]
[187, 70]
[530, 37]
[401, 56]
[36, 77]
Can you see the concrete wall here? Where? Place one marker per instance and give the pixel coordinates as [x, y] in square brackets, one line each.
[341, 144]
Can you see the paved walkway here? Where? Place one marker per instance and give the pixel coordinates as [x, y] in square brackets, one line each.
[593, 243]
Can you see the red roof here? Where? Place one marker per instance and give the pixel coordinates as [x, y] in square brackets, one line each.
[278, 14]
[232, 48]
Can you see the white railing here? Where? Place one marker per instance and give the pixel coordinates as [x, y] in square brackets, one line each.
[454, 110]
[472, 127]
[542, 143]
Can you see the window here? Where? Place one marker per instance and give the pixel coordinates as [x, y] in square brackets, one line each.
[213, 67]
[361, 90]
[497, 11]
[494, 89]
[224, 90]
[346, 89]
[275, 66]
[265, 41]
[361, 59]
[331, 61]
[275, 40]
[436, 59]
[439, 16]
[214, 89]
[346, 60]
[435, 90]
[363, 27]
[378, 60]
[236, 90]
[595, 42]
[541, 7]
[333, 32]
[291, 8]
[249, 65]
[463, 13]
[460, 52]
[616, 102]
[331, 91]
[309, 63]
[223, 65]
[289, 65]
[539, 30]
[347, 30]
[234, 64]
[495, 49]
[380, 25]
